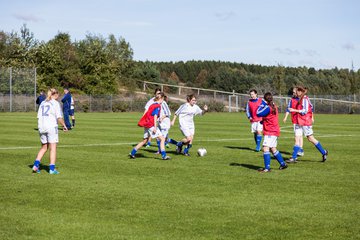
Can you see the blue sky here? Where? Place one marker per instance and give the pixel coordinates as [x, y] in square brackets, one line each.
[314, 33]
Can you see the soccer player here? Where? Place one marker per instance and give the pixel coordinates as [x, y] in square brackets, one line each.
[40, 98]
[164, 122]
[147, 105]
[256, 122]
[151, 129]
[49, 115]
[297, 130]
[186, 113]
[269, 113]
[66, 100]
[305, 120]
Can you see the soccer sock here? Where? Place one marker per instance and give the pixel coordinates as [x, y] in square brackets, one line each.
[255, 138]
[267, 159]
[279, 158]
[296, 149]
[163, 153]
[186, 150]
[320, 148]
[258, 141]
[172, 141]
[179, 144]
[158, 144]
[148, 143]
[133, 152]
[301, 150]
[52, 167]
[37, 163]
[73, 122]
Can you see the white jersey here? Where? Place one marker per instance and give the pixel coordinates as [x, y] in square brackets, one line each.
[48, 114]
[165, 111]
[148, 104]
[186, 114]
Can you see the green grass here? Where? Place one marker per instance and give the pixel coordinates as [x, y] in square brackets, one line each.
[102, 194]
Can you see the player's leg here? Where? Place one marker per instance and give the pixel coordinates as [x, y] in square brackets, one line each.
[39, 156]
[52, 169]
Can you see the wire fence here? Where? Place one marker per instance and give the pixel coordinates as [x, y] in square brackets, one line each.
[18, 94]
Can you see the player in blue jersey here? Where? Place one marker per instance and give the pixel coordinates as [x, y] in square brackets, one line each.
[49, 115]
[66, 100]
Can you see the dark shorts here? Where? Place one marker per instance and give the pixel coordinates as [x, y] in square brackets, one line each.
[71, 112]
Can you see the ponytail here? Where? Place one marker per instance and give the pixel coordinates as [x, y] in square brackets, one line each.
[269, 99]
[51, 92]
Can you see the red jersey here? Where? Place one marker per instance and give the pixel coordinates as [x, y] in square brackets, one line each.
[252, 108]
[147, 120]
[271, 123]
[294, 104]
[304, 105]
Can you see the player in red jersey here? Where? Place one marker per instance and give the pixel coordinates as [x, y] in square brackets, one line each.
[151, 129]
[269, 113]
[256, 124]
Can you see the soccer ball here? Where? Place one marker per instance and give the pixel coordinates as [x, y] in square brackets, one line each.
[201, 152]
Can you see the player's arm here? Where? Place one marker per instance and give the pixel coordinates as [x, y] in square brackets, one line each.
[62, 123]
[263, 110]
[204, 110]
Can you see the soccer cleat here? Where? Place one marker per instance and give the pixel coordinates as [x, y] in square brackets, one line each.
[167, 145]
[36, 169]
[131, 156]
[282, 167]
[187, 154]
[291, 160]
[264, 170]
[301, 154]
[324, 156]
[157, 152]
[178, 149]
[166, 158]
[257, 149]
[147, 146]
[53, 171]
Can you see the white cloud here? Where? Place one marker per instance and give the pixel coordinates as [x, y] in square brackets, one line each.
[287, 51]
[349, 46]
[27, 17]
[223, 16]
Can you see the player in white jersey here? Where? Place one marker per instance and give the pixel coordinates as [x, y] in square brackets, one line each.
[186, 113]
[147, 105]
[49, 114]
[164, 121]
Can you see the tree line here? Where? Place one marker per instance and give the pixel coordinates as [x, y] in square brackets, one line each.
[105, 65]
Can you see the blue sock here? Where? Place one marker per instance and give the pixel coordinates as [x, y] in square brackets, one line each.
[279, 158]
[52, 167]
[320, 148]
[37, 163]
[186, 150]
[163, 154]
[267, 159]
[301, 150]
[148, 143]
[158, 144]
[296, 149]
[258, 141]
[255, 138]
[179, 144]
[133, 152]
[172, 141]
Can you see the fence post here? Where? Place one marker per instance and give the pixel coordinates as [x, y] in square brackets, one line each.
[111, 103]
[179, 91]
[35, 88]
[90, 103]
[10, 82]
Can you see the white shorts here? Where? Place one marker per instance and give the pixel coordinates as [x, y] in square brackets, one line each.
[307, 130]
[164, 132]
[187, 132]
[148, 132]
[270, 141]
[49, 136]
[256, 126]
[298, 130]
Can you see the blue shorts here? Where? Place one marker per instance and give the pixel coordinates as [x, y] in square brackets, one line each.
[71, 112]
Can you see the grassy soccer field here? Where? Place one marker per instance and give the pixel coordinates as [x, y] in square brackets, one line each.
[102, 194]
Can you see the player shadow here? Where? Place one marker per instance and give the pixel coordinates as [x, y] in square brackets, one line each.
[249, 166]
[41, 167]
[241, 148]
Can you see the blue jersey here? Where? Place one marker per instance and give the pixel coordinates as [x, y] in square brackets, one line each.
[66, 100]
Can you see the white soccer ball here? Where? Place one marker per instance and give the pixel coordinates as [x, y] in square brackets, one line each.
[201, 152]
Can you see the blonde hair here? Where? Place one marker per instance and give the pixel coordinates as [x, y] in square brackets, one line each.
[51, 91]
